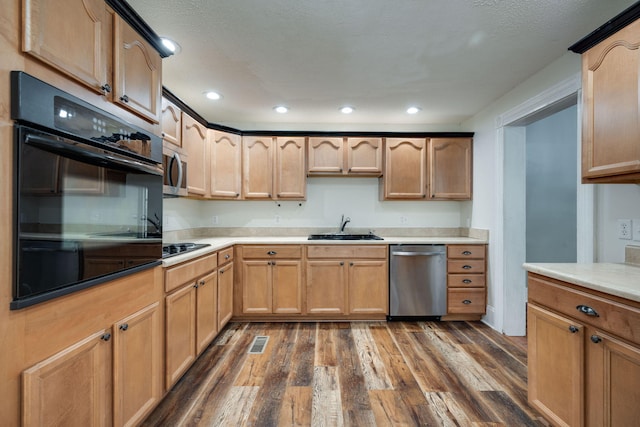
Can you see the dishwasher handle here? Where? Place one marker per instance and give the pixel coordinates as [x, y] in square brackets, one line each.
[404, 253]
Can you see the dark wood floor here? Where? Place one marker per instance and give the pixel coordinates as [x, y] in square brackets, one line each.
[356, 374]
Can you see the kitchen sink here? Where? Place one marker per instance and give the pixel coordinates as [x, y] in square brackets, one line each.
[337, 236]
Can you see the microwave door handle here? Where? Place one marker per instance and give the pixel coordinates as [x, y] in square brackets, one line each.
[89, 156]
[177, 158]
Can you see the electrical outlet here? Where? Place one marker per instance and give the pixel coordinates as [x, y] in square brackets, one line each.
[624, 229]
[635, 229]
[215, 220]
[278, 218]
[403, 220]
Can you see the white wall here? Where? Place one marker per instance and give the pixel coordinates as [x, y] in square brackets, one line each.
[327, 200]
[614, 202]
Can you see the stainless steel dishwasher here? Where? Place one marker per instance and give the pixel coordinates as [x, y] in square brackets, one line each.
[417, 281]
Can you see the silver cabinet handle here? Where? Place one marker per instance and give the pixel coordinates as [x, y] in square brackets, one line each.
[272, 253]
[585, 309]
[467, 267]
[573, 329]
[595, 339]
[466, 301]
[467, 281]
[417, 253]
[466, 253]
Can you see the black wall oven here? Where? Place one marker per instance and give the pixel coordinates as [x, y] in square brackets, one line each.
[88, 194]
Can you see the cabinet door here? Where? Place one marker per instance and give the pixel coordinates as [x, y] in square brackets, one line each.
[290, 170]
[206, 311]
[450, 164]
[137, 73]
[257, 170]
[137, 365]
[225, 165]
[555, 366]
[368, 287]
[180, 332]
[405, 171]
[612, 378]
[72, 387]
[81, 178]
[171, 121]
[326, 287]
[82, 54]
[287, 286]
[364, 156]
[610, 126]
[195, 143]
[256, 287]
[225, 295]
[326, 156]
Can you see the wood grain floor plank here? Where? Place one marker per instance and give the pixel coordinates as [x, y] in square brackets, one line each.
[390, 409]
[509, 412]
[235, 409]
[326, 404]
[296, 407]
[254, 369]
[325, 351]
[303, 357]
[373, 370]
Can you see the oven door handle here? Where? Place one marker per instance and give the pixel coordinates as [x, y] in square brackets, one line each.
[91, 155]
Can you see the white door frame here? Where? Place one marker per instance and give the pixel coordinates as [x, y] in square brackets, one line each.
[509, 276]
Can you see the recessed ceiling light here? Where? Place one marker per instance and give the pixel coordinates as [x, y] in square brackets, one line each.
[171, 46]
[346, 109]
[280, 109]
[213, 95]
[413, 110]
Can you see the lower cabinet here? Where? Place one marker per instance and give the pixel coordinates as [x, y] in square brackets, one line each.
[225, 294]
[271, 279]
[347, 280]
[111, 377]
[584, 356]
[466, 280]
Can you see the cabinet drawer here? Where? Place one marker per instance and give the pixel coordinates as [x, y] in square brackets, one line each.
[612, 316]
[177, 276]
[465, 266]
[273, 251]
[466, 251]
[225, 255]
[347, 251]
[466, 280]
[466, 301]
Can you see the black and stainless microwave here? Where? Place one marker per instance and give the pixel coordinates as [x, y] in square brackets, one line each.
[174, 163]
[88, 194]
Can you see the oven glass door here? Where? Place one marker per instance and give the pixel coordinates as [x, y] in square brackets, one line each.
[83, 213]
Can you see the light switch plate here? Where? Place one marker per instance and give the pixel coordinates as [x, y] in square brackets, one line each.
[635, 229]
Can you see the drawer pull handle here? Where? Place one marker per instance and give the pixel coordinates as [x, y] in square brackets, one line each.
[467, 301]
[124, 326]
[124, 98]
[272, 253]
[467, 267]
[227, 256]
[585, 309]
[466, 253]
[595, 339]
[106, 337]
[467, 281]
[573, 329]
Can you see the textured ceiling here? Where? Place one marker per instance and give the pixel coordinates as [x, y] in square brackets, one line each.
[450, 57]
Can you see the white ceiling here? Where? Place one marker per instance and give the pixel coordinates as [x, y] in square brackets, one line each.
[450, 57]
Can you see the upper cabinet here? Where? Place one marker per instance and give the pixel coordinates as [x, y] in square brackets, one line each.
[195, 144]
[137, 73]
[273, 168]
[82, 54]
[225, 165]
[102, 52]
[344, 156]
[611, 106]
[171, 121]
[405, 169]
[450, 168]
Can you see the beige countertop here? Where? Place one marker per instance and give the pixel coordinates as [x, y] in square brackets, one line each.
[218, 243]
[622, 280]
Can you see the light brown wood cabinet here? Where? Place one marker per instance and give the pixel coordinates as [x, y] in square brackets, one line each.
[99, 380]
[273, 168]
[405, 169]
[195, 142]
[137, 69]
[171, 123]
[466, 280]
[584, 354]
[225, 165]
[271, 278]
[131, 80]
[225, 287]
[611, 106]
[337, 156]
[450, 168]
[347, 280]
[82, 54]
[191, 313]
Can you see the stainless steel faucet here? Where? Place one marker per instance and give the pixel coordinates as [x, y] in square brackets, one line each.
[343, 223]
